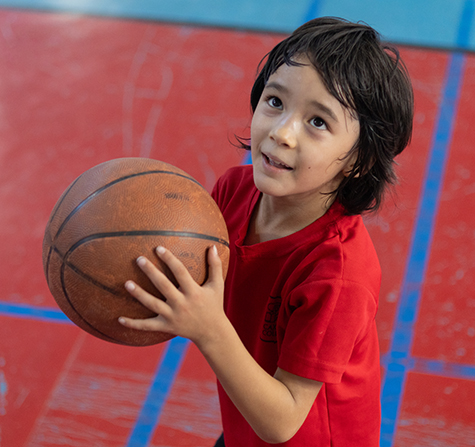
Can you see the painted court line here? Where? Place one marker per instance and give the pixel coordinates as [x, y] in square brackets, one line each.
[160, 388]
[398, 363]
[443, 369]
[46, 314]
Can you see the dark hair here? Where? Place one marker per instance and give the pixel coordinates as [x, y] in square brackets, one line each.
[370, 80]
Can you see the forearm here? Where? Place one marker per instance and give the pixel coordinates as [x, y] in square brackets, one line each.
[265, 401]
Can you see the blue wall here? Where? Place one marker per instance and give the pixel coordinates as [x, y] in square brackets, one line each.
[433, 23]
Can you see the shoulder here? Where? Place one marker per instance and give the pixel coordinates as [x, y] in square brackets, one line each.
[339, 234]
[341, 251]
[236, 182]
[359, 256]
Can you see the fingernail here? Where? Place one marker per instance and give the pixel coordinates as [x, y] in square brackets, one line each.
[129, 285]
[215, 250]
[122, 320]
[160, 250]
[141, 261]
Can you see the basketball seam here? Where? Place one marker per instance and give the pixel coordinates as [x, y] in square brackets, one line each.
[66, 295]
[135, 233]
[48, 237]
[65, 257]
[108, 185]
[63, 265]
[65, 262]
[87, 277]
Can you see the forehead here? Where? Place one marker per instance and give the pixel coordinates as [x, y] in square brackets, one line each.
[331, 85]
[291, 77]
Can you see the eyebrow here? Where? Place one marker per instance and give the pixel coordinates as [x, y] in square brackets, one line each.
[317, 104]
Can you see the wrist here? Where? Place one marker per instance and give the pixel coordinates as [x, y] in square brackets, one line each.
[216, 338]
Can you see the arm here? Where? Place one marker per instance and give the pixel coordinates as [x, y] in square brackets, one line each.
[275, 406]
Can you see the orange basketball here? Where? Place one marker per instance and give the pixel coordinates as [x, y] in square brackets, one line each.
[109, 216]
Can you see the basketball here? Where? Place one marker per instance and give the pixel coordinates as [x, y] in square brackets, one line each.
[108, 217]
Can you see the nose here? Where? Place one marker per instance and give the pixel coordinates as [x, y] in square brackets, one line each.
[285, 131]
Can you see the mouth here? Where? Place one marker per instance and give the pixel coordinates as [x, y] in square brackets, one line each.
[272, 161]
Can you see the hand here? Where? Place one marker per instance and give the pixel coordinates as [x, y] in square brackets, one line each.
[190, 310]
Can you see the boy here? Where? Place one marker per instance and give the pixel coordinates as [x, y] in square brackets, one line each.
[295, 348]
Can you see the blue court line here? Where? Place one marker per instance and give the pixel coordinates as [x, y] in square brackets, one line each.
[443, 369]
[158, 393]
[46, 314]
[399, 361]
[433, 367]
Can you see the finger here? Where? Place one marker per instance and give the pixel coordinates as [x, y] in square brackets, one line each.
[163, 284]
[151, 302]
[179, 271]
[156, 324]
[215, 265]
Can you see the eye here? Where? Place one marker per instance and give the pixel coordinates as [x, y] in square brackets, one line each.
[274, 102]
[318, 123]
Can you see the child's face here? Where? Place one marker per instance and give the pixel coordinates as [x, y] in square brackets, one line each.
[300, 135]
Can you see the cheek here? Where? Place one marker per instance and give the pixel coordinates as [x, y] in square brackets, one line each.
[257, 136]
[255, 125]
[259, 122]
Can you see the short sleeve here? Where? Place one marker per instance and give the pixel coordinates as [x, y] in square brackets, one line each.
[320, 326]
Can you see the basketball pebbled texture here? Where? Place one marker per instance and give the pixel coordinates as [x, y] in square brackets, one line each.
[108, 217]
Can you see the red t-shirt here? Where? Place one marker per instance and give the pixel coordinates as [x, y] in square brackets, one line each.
[306, 303]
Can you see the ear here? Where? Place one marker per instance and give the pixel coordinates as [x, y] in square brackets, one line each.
[350, 164]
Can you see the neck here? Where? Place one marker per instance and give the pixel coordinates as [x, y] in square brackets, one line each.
[275, 218]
